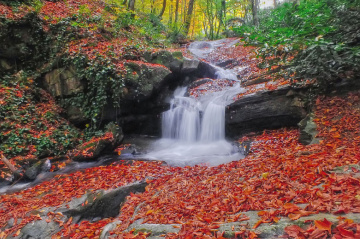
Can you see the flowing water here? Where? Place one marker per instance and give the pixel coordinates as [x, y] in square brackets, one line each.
[193, 129]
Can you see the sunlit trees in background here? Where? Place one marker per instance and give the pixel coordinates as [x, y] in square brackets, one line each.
[198, 18]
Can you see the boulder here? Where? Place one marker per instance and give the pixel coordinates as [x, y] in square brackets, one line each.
[116, 131]
[156, 229]
[97, 146]
[206, 70]
[104, 204]
[171, 60]
[39, 230]
[190, 65]
[264, 110]
[75, 115]
[308, 130]
[37, 168]
[105, 233]
[63, 82]
[143, 79]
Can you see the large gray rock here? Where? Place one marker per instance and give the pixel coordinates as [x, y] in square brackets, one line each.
[264, 110]
[104, 204]
[154, 229]
[63, 82]
[143, 80]
[39, 230]
[157, 229]
[171, 60]
[190, 65]
[105, 233]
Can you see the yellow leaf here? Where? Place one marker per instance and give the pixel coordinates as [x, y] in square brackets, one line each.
[17, 233]
[149, 212]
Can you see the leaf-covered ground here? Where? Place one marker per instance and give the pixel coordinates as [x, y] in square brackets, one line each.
[277, 176]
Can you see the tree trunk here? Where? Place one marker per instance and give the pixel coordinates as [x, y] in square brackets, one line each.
[9, 165]
[163, 9]
[188, 17]
[171, 9]
[254, 8]
[223, 6]
[152, 6]
[131, 5]
[176, 11]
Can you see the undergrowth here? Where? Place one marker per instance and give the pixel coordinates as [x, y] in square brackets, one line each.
[317, 39]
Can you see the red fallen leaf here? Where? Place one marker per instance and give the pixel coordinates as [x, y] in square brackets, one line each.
[291, 207]
[262, 213]
[257, 224]
[318, 234]
[276, 219]
[295, 231]
[355, 170]
[357, 234]
[244, 219]
[214, 226]
[323, 225]
[345, 233]
[294, 216]
[17, 233]
[252, 235]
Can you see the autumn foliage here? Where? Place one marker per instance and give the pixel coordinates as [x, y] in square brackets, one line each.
[279, 178]
[274, 179]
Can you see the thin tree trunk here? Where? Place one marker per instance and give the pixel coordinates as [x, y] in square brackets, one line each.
[171, 11]
[223, 6]
[163, 9]
[131, 5]
[152, 6]
[9, 165]
[188, 17]
[176, 11]
[254, 7]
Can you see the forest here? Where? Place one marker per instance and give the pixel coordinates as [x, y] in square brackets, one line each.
[179, 119]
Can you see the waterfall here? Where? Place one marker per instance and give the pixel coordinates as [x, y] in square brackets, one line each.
[201, 119]
[193, 129]
[213, 123]
[182, 121]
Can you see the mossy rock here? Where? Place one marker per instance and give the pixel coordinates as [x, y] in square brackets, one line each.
[143, 79]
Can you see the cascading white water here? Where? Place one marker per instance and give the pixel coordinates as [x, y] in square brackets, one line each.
[182, 121]
[213, 123]
[193, 129]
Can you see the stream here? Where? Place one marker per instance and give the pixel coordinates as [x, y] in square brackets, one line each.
[193, 129]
